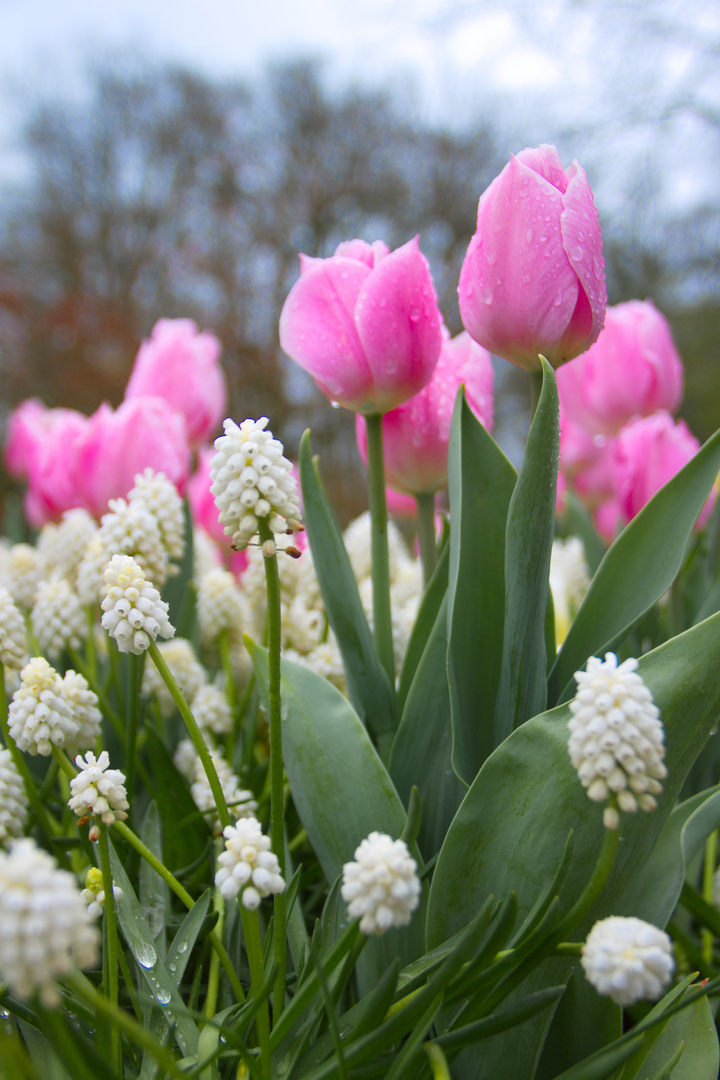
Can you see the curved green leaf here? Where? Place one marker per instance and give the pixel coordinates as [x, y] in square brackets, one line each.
[700, 1057]
[481, 482]
[522, 692]
[424, 623]
[368, 686]
[531, 778]
[638, 567]
[421, 750]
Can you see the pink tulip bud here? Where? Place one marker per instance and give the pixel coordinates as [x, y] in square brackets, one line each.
[181, 365]
[533, 280]
[648, 453]
[365, 324]
[41, 446]
[416, 435]
[633, 369]
[398, 504]
[142, 432]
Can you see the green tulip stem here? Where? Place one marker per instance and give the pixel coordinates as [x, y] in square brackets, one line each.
[110, 966]
[277, 795]
[194, 733]
[596, 884]
[426, 534]
[380, 558]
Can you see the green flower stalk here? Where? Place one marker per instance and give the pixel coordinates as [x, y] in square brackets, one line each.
[382, 613]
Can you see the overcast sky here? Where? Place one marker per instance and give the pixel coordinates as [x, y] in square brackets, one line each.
[540, 67]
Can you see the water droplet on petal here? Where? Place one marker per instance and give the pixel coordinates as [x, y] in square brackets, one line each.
[414, 315]
[526, 278]
[488, 294]
[529, 235]
[576, 253]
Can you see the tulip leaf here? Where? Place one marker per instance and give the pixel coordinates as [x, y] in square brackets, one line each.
[530, 776]
[368, 686]
[481, 482]
[638, 567]
[522, 692]
[699, 1060]
[421, 750]
[340, 787]
[424, 623]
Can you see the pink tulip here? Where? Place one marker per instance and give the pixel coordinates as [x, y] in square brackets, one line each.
[181, 365]
[398, 504]
[365, 324]
[648, 453]
[202, 504]
[41, 447]
[416, 435]
[633, 369]
[144, 431]
[533, 279]
[578, 448]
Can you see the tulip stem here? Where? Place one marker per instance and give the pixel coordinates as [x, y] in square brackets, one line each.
[426, 535]
[380, 558]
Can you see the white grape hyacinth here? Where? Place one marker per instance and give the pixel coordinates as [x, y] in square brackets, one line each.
[381, 886]
[134, 613]
[13, 652]
[57, 617]
[627, 959]
[616, 737]
[84, 705]
[98, 790]
[252, 481]
[40, 715]
[46, 929]
[247, 865]
[13, 800]
[160, 496]
[94, 895]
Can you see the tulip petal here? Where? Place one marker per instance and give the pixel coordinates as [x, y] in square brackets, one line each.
[517, 289]
[317, 327]
[546, 161]
[398, 323]
[582, 239]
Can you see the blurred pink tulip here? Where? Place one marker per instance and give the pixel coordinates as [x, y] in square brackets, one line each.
[633, 369]
[181, 365]
[202, 504]
[365, 324]
[143, 431]
[41, 447]
[533, 280]
[398, 504]
[416, 435]
[577, 447]
[648, 453]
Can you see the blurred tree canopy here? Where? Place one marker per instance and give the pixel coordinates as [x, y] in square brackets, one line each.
[165, 194]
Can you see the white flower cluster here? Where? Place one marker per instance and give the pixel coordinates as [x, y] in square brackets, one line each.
[98, 790]
[160, 497]
[83, 702]
[616, 737]
[13, 800]
[12, 632]
[569, 581]
[94, 895]
[627, 959]
[22, 573]
[240, 802]
[46, 930]
[131, 529]
[212, 711]
[61, 547]
[381, 886]
[248, 865]
[134, 613]
[40, 715]
[221, 607]
[58, 619]
[252, 481]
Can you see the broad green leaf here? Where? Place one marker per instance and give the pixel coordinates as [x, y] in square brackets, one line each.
[340, 788]
[654, 893]
[368, 686]
[481, 482]
[421, 750]
[153, 892]
[522, 692]
[424, 623]
[158, 980]
[638, 567]
[531, 778]
[699, 1060]
[583, 1023]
